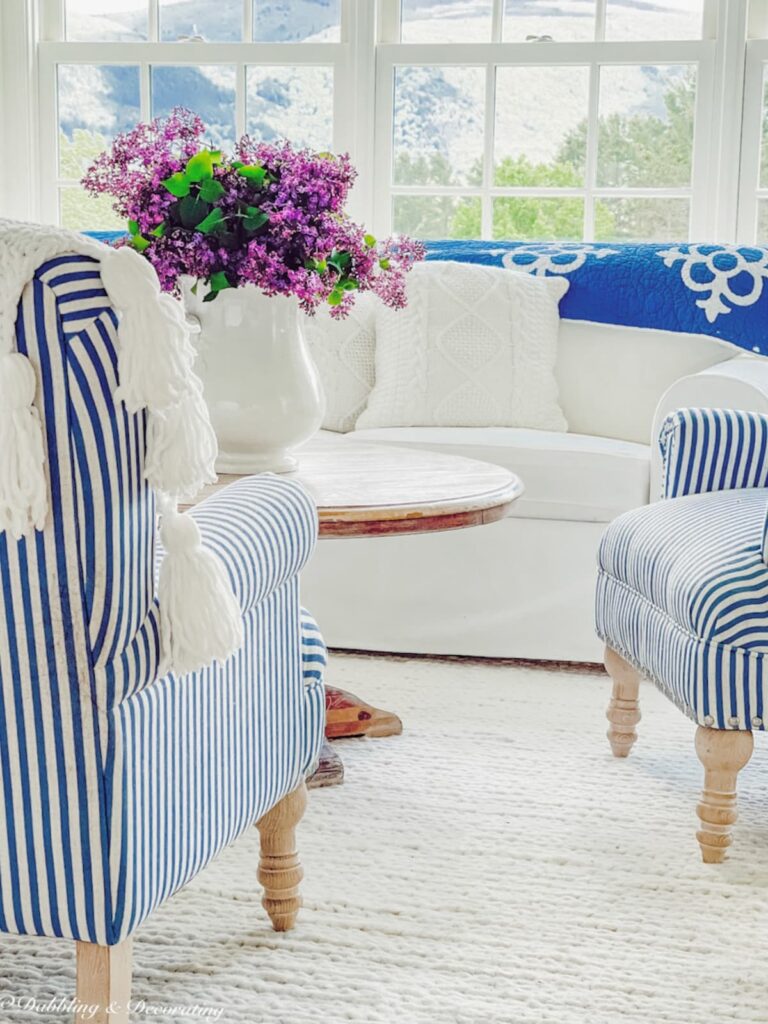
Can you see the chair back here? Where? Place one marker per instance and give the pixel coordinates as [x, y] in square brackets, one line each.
[78, 619]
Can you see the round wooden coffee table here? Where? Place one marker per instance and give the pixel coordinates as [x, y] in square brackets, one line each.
[373, 490]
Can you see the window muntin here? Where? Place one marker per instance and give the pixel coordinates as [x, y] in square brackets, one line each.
[615, 197]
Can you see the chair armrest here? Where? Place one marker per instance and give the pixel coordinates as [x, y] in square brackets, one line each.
[263, 528]
[737, 383]
[705, 450]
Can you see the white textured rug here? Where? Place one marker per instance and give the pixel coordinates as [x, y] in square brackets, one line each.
[493, 864]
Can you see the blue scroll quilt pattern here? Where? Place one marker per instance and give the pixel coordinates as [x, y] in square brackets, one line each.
[715, 290]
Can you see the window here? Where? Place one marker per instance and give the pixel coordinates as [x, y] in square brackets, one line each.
[243, 65]
[753, 194]
[565, 120]
[602, 120]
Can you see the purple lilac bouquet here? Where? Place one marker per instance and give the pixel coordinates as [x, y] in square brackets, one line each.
[270, 215]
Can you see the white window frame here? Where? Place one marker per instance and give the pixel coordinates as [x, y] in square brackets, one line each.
[497, 54]
[750, 192]
[724, 186]
[54, 50]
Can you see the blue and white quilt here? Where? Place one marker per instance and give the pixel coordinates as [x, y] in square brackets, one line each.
[717, 290]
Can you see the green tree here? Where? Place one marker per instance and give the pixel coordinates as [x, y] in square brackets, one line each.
[636, 151]
[433, 216]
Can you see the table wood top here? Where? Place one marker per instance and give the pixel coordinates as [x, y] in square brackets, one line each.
[364, 490]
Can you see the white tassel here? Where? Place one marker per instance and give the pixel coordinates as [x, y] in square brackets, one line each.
[200, 618]
[155, 353]
[181, 445]
[23, 488]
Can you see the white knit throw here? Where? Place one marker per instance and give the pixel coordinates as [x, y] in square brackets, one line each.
[155, 358]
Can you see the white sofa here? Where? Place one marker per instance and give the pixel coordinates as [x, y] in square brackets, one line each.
[524, 587]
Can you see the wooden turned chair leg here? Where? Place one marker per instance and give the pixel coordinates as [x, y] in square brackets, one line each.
[103, 981]
[623, 711]
[723, 754]
[279, 869]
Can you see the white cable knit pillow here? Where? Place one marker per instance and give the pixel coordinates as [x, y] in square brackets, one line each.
[343, 351]
[475, 347]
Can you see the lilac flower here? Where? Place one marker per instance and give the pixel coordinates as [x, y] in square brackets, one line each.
[270, 215]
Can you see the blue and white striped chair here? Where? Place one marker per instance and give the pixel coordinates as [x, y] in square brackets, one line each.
[682, 599]
[117, 786]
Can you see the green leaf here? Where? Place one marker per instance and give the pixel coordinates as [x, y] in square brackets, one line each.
[133, 227]
[193, 289]
[218, 281]
[210, 296]
[321, 266]
[159, 231]
[350, 285]
[178, 184]
[139, 243]
[192, 210]
[210, 223]
[385, 264]
[200, 166]
[253, 174]
[256, 220]
[211, 190]
[237, 164]
[334, 299]
[370, 241]
[340, 260]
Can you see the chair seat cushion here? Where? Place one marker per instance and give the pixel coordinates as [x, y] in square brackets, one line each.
[698, 559]
[682, 593]
[566, 476]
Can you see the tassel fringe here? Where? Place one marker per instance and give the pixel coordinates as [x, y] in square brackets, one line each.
[201, 620]
[181, 446]
[23, 487]
[155, 355]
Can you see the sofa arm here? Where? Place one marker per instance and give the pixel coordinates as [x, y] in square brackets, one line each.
[739, 383]
[263, 528]
[705, 450]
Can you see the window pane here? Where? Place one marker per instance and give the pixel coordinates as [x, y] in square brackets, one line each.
[644, 220]
[541, 219]
[81, 212]
[536, 145]
[561, 21]
[291, 103]
[105, 20]
[220, 22]
[438, 130]
[209, 90]
[764, 146]
[646, 125]
[762, 222]
[437, 216]
[446, 21]
[87, 127]
[289, 21]
[669, 19]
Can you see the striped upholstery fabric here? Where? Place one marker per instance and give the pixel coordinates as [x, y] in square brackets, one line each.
[683, 584]
[117, 786]
[713, 450]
